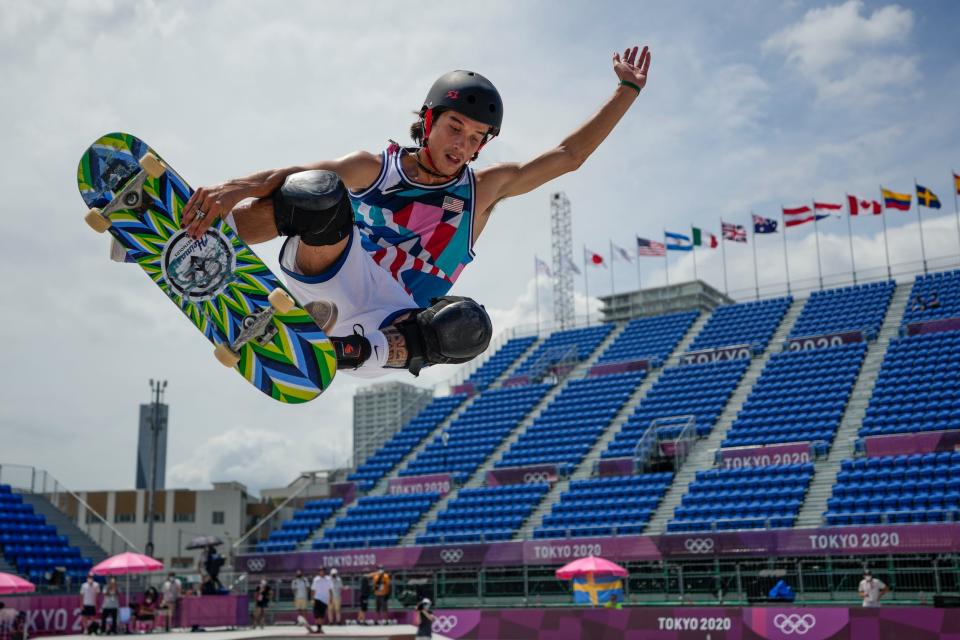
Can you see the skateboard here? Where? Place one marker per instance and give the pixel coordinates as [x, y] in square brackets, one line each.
[218, 282]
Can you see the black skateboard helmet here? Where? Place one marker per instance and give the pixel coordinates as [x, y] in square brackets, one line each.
[469, 93]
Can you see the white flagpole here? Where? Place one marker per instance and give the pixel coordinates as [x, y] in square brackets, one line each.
[586, 283]
[756, 276]
[923, 249]
[637, 249]
[666, 261]
[723, 250]
[694, 249]
[853, 263]
[612, 285]
[886, 246]
[816, 233]
[536, 284]
[786, 259]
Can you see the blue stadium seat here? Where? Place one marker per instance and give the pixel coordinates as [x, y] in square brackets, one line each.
[651, 338]
[752, 323]
[484, 514]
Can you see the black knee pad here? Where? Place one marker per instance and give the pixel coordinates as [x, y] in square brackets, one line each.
[450, 331]
[313, 205]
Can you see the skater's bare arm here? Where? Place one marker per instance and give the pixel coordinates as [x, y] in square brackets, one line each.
[512, 179]
[357, 170]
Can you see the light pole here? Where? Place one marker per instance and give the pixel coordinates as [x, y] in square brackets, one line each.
[157, 388]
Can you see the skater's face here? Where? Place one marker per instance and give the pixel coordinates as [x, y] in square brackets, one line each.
[454, 139]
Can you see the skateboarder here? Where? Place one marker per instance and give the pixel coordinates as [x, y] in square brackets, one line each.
[376, 241]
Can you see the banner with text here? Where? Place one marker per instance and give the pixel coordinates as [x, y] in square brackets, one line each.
[806, 343]
[907, 443]
[720, 354]
[434, 483]
[534, 474]
[766, 455]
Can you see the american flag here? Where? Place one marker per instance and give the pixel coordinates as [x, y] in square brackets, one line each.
[452, 204]
[650, 248]
[734, 232]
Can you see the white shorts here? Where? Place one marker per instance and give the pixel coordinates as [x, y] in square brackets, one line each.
[364, 292]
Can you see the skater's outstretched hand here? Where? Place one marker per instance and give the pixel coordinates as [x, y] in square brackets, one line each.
[631, 68]
[209, 203]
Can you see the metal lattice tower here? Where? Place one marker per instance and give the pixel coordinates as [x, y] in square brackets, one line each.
[563, 309]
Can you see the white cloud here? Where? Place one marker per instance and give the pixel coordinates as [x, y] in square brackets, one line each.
[846, 55]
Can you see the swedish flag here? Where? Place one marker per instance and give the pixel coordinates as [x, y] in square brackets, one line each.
[594, 590]
[927, 198]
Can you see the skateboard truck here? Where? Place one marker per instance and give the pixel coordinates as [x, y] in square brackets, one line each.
[131, 196]
[256, 326]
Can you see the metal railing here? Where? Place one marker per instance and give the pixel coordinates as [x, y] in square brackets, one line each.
[31, 480]
[238, 545]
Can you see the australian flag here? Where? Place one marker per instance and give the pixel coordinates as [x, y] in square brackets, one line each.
[764, 225]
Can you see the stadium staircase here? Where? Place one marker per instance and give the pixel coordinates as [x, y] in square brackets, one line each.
[704, 451]
[586, 467]
[825, 471]
[479, 476]
[65, 527]
[498, 382]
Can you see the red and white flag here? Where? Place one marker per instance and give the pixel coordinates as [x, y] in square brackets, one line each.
[593, 259]
[823, 209]
[797, 215]
[858, 206]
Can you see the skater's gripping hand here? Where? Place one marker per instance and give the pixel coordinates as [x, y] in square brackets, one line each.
[206, 205]
[631, 68]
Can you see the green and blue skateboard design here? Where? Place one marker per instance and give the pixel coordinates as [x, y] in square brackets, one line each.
[218, 282]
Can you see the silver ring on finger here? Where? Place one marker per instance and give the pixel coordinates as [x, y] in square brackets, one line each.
[201, 215]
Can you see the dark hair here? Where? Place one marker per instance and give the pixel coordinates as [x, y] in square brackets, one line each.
[416, 129]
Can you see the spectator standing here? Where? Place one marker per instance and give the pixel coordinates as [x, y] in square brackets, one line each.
[381, 591]
[89, 592]
[872, 589]
[110, 607]
[363, 601]
[300, 588]
[336, 597]
[423, 619]
[321, 597]
[171, 595]
[261, 600]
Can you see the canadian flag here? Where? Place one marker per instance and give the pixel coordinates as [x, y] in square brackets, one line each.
[858, 206]
[593, 259]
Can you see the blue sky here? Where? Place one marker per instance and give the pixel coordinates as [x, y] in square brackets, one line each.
[749, 105]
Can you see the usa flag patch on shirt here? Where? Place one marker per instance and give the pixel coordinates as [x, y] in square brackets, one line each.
[452, 204]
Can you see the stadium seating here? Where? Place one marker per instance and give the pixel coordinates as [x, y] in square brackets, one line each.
[499, 362]
[572, 422]
[799, 397]
[923, 487]
[750, 498]
[32, 545]
[652, 338]
[484, 514]
[578, 342]
[376, 521]
[408, 437]
[474, 434]
[933, 296]
[752, 323]
[860, 307]
[605, 506]
[918, 388]
[701, 390]
[304, 522]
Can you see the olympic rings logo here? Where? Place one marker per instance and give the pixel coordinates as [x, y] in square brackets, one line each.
[256, 564]
[794, 623]
[451, 556]
[536, 476]
[698, 545]
[444, 624]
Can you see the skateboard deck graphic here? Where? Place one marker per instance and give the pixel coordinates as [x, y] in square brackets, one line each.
[218, 282]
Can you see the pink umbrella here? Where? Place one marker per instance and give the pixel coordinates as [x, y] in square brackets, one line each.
[10, 583]
[590, 564]
[126, 563]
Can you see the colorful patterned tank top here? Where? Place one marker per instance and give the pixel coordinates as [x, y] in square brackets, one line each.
[421, 234]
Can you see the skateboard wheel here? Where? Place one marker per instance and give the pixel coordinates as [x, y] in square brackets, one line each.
[227, 356]
[281, 301]
[96, 220]
[152, 165]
